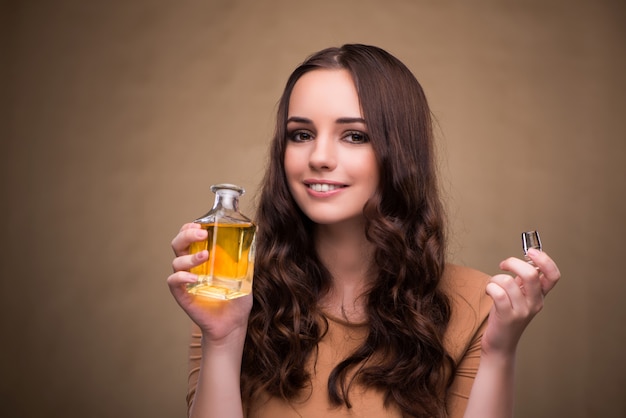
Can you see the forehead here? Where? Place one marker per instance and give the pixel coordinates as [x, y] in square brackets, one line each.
[325, 92]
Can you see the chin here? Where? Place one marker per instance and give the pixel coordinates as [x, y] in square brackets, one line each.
[333, 219]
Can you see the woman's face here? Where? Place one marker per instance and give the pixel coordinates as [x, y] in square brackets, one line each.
[330, 165]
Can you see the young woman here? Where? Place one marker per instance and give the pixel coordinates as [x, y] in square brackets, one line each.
[355, 312]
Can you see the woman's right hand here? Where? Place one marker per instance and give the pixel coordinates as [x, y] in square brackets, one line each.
[218, 320]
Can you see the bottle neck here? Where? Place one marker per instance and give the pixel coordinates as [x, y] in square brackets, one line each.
[226, 200]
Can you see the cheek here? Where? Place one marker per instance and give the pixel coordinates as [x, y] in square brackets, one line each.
[292, 164]
[369, 168]
[287, 163]
[375, 180]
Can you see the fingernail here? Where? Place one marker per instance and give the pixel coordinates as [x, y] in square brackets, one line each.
[200, 233]
[533, 252]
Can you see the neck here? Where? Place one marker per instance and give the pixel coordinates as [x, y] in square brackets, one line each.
[346, 253]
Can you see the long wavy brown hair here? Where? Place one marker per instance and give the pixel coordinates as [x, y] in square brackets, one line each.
[407, 313]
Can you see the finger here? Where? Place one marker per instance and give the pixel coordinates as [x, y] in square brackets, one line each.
[191, 232]
[514, 294]
[177, 283]
[527, 277]
[186, 262]
[526, 300]
[550, 273]
[500, 297]
[190, 225]
[179, 278]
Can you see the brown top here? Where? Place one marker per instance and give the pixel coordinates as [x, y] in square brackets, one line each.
[470, 307]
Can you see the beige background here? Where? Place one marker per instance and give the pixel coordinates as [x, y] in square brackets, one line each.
[117, 116]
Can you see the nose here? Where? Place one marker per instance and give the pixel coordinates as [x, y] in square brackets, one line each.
[323, 154]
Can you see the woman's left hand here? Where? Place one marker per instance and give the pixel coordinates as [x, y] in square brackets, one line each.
[517, 299]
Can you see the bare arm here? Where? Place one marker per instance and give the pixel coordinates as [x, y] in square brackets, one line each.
[516, 301]
[218, 388]
[492, 392]
[223, 325]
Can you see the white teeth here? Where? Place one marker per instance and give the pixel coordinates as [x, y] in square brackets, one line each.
[323, 187]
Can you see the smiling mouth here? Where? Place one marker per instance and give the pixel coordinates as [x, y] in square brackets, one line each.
[324, 187]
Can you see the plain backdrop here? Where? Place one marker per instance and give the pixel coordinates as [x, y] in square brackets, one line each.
[117, 116]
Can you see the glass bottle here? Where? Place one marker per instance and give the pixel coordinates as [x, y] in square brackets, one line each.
[227, 274]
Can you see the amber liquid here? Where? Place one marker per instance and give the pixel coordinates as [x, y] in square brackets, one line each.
[228, 272]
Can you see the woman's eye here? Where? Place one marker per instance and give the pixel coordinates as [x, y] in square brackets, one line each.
[300, 136]
[356, 137]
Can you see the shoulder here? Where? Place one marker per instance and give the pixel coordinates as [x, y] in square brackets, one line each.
[470, 304]
[463, 281]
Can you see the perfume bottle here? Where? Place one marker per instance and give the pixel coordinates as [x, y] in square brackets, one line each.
[530, 239]
[227, 274]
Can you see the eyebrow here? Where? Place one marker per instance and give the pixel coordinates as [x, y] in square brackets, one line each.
[300, 119]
